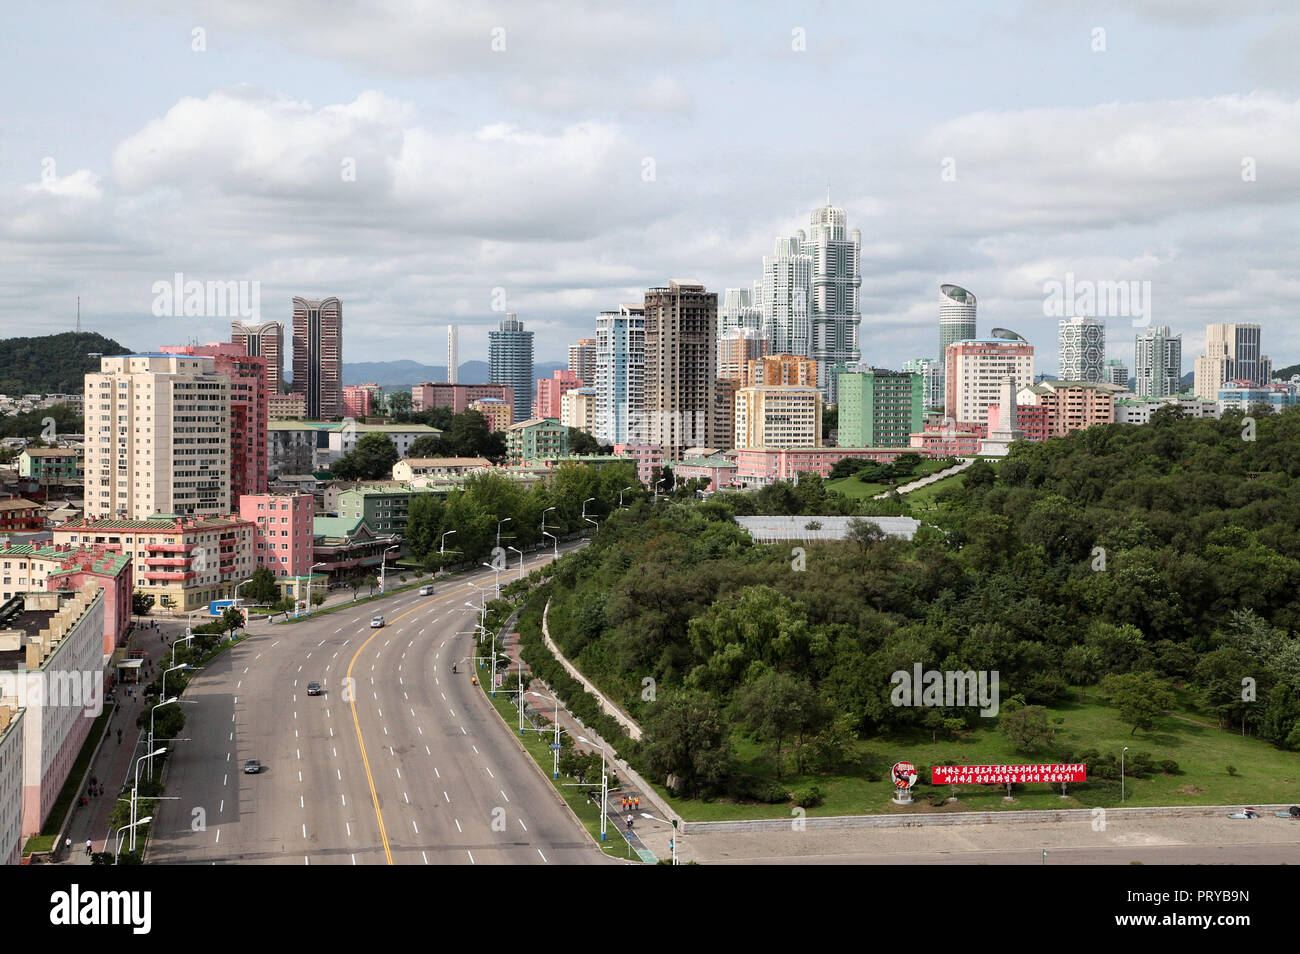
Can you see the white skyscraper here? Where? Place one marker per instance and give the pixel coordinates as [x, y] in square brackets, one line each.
[1082, 349]
[931, 372]
[836, 279]
[620, 373]
[1158, 363]
[785, 302]
[738, 313]
[453, 361]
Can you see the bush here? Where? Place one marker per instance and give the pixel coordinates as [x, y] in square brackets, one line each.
[1169, 767]
[1232, 770]
[755, 789]
[809, 797]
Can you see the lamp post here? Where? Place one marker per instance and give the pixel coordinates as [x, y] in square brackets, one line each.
[657, 483]
[584, 514]
[136, 788]
[383, 566]
[620, 496]
[237, 586]
[442, 547]
[521, 560]
[309, 575]
[187, 638]
[555, 746]
[482, 624]
[172, 669]
[118, 849]
[151, 715]
[1121, 774]
[499, 522]
[604, 787]
[672, 842]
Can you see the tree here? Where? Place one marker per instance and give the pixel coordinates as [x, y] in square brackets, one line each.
[399, 404]
[1026, 727]
[231, 620]
[1141, 698]
[372, 458]
[372, 583]
[580, 442]
[430, 445]
[777, 708]
[865, 534]
[141, 603]
[686, 739]
[317, 599]
[261, 588]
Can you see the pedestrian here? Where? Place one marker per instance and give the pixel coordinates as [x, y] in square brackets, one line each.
[67, 847]
[89, 845]
[629, 821]
[119, 736]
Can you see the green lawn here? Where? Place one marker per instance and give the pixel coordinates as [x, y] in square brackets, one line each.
[852, 487]
[1265, 774]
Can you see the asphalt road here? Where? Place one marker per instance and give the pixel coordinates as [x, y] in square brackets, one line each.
[409, 767]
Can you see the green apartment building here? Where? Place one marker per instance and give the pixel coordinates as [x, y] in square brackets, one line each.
[55, 465]
[536, 439]
[384, 509]
[880, 408]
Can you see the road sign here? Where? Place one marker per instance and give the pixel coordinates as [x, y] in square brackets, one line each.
[217, 607]
[555, 745]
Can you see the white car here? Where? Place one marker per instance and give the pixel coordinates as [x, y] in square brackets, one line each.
[376, 622]
[426, 591]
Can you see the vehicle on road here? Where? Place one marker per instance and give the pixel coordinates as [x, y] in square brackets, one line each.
[252, 767]
[376, 622]
[313, 688]
[426, 591]
[1245, 813]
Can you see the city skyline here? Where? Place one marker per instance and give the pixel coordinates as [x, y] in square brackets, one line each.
[622, 196]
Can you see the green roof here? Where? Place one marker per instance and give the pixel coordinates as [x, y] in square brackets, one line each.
[337, 527]
[109, 562]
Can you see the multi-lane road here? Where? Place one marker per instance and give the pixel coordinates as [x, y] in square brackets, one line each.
[398, 761]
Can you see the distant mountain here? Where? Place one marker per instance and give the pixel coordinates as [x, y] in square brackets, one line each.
[400, 375]
[1186, 382]
[1286, 373]
[52, 364]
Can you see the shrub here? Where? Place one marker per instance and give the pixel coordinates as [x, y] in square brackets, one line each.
[1232, 770]
[809, 797]
[1169, 767]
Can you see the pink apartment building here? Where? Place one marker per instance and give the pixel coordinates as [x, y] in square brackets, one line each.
[356, 401]
[550, 390]
[646, 456]
[427, 396]
[283, 539]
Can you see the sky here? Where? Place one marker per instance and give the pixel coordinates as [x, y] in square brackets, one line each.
[433, 162]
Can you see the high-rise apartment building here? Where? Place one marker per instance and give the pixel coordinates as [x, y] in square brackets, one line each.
[453, 355]
[736, 349]
[836, 280]
[783, 415]
[956, 317]
[1158, 363]
[510, 361]
[1233, 352]
[620, 374]
[785, 298]
[550, 390]
[738, 313]
[265, 340]
[249, 412]
[578, 409]
[680, 357]
[318, 356]
[976, 371]
[880, 408]
[283, 538]
[157, 437]
[931, 372]
[1115, 372]
[582, 361]
[1082, 349]
[781, 369]
[357, 401]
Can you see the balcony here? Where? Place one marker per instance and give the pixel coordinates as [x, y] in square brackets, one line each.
[170, 547]
[162, 577]
[166, 561]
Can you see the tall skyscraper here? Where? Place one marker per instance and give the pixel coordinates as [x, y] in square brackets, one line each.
[738, 312]
[265, 340]
[318, 356]
[1082, 349]
[956, 317]
[1158, 363]
[1233, 352]
[582, 361]
[680, 358]
[157, 437]
[453, 358]
[620, 374]
[785, 301]
[510, 361]
[836, 281]
[1115, 372]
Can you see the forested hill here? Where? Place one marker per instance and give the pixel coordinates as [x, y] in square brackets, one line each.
[52, 364]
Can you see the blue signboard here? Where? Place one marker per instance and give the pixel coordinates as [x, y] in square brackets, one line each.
[217, 607]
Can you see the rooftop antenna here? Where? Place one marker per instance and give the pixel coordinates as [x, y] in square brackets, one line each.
[828, 193]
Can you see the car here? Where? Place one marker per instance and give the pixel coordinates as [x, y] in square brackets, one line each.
[426, 591]
[313, 689]
[376, 622]
[252, 767]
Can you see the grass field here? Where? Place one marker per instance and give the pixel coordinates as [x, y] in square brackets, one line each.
[1265, 774]
[852, 487]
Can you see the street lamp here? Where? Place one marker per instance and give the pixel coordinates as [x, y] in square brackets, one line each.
[604, 786]
[584, 513]
[1121, 774]
[620, 496]
[672, 842]
[442, 548]
[497, 570]
[657, 483]
[151, 714]
[383, 565]
[187, 638]
[172, 669]
[309, 575]
[555, 746]
[237, 586]
[136, 788]
[118, 850]
[499, 522]
[521, 560]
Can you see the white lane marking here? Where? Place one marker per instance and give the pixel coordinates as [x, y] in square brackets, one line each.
[300, 670]
[301, 803]
[425, 857]
[489, 771]
[232, 737]
[539, 851]
[385, 730]
[320, 644]
[218, 836]
[475, 748]
[340, 774]
[354, 859]
[457, 820]
[462, 731]
[222, 806]
[224, 778]
[399, 772]
[339, 630]
[227, 756]
[452, 711]
[349, 827]
[345, 799]
[407, 797]
[257, 657]
[522, 825]
[299, 751]
[446, 796]
[471, 857]
[419, 730]
[239, 684]
[504, 795]
[415, 826]
[245, 670]
[426, 749]
[444, 696]
[304, 829]
[336, 753]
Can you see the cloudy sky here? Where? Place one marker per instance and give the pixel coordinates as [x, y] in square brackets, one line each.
[427, 160]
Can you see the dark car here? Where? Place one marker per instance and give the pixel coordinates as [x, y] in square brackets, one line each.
[252, 767]
[313, 688]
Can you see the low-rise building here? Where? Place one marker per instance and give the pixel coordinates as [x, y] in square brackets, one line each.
[535, 439]
[757, 467]
[384, 509]
[497, 411]
[646, 457]
[51, 465]
[720, 472]
[1130, 409]
[1245, 396]
[458, 397]
[19, 514]
[286, 407]
[412, 467]
[1072, 405]
[348, 546]
[938, 441]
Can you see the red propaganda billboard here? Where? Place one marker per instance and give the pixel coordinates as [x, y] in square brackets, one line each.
[1002, 774]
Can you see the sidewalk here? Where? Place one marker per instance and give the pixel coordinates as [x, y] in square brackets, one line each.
[113, 765]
